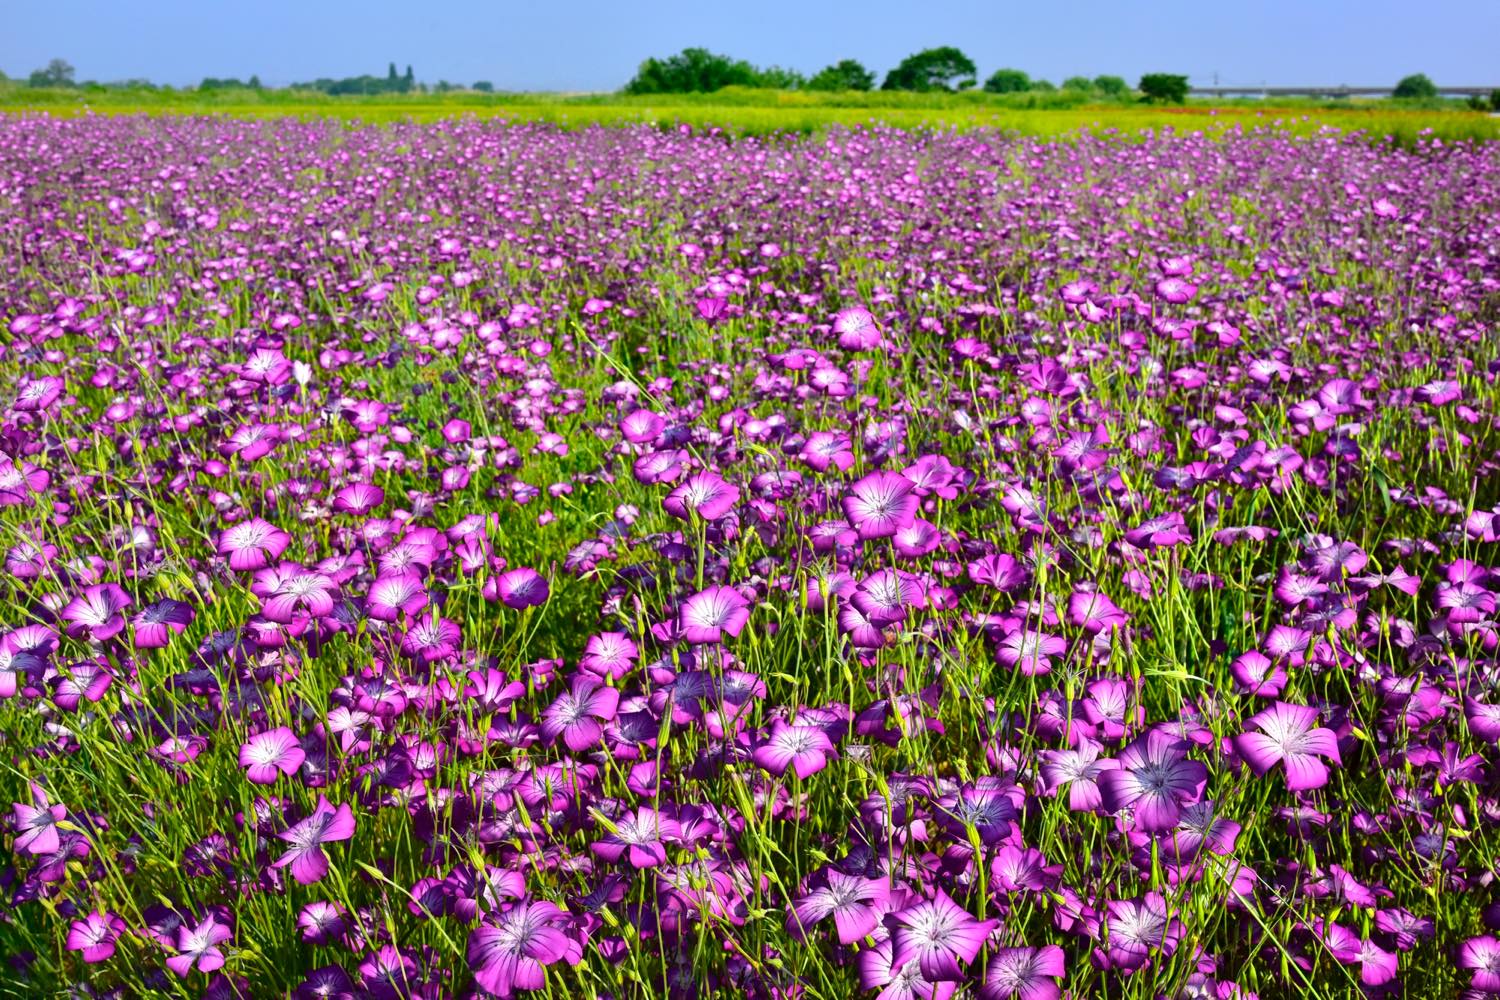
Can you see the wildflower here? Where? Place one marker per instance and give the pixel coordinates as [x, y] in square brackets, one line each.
[803, 750]
[854, 903]
[156, 623]
[1024, 974]
[513, 950]
[325, 825]
[265, 754]
[97, 613]
[95, 935]
[576, 715]
[638, 837]
[396, 594]
[199, 948]
[1153, 778]
[939, 935]
[1481, 955]
[522, 588]
[709, 615]
[1138, 927]
[252, 544]
[881, 504]
[1288, 735]
[705, 494]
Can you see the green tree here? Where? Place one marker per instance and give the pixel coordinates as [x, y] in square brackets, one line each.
[408, 81]
[392, 81]
[1495, 100]
[846, 74]
[1163, 88]
[1007, 81]
[692, 71]
[943, 68]
[776, 78]
[1078, 83]
[57, 73]
[1415, 87]
[254, 82]
[484, 86]
[1111, 86]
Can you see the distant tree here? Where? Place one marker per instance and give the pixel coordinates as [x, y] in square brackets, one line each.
[484, 86]
[692, 71]
[1007, 81]
[1043, 86]
[1495, 100]
[392, 81]
[255, 83]
[846, 74]
[443, 86]
[408, 81]
[943, 68]
[1078, 83]
[1111, 86]
[1163, 88]
[222, 83]
[58, 73]
[1416, 87]
[777, 78]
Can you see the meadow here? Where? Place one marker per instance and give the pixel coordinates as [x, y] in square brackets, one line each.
[475, 558]
[747, 111]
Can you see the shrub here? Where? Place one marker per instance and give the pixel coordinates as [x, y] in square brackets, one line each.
[1163, 88]
[846, 74]
[1111, 86]
[1415, 87]
[1007, 81]
[943, 68]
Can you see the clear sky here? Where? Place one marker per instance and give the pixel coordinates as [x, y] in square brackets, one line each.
[596, 44]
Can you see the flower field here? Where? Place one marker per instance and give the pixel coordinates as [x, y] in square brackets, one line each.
[466, 559]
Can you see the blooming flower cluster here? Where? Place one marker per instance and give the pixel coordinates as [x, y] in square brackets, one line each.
[470, 560]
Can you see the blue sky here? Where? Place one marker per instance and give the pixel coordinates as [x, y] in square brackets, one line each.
[596, 44]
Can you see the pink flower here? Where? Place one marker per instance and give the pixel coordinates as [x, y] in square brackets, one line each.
[94, 936]
[1288, 735]
[199, 947]
[96, 614]
[511, 952]
[252, 544]
[326, 825]
[264, 755]
[1154, 779]
[1024, 974]
[705, 494]
[576, 715]
[939, 935]
[522, 588]
[881, 504]
[854, 903]
[709, 615]
[803, 750]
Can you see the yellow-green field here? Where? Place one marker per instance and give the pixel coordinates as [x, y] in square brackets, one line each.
[745, 111]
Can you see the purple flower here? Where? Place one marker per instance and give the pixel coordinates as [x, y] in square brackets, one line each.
[297, 591]
[939, 935]
[881, 504]
[358, 498]
[253, 544]
[856, 905]
[609, 654]
[325, 825]
[576, 715]
[394, 595]
[96, 614]
[264, 755]
[522, 588]
[199, 947]
[431, 638]
[1288, 735]
[157, 623]
[512, 951]
[803, 750]
[856, 329]
[705, 494]
[1481, 955]
[36, 824]
[638, 837]
[1024, 974]
[898, 981]
[1137, 927]
[1153, 778]
[709, 615]
[94, 936]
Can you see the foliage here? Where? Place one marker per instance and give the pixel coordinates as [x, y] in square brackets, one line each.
[693, 70]
[1163, 88]
[57, 73]
[1111, 86]
[483, 86]
[365, 85]
[1078, 83]
[846, 74]
[942, 68]
[1417, 86]
[1007, 81]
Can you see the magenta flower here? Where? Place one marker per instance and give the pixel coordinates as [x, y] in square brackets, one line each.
[939, 935]
[512, 951]
[36, 824]
[1024, 974]
[1288, 735]
[157, 623]
[1153, 778]
[803, 750]
[881, 504]
[898, 982]
[638, 837]
[1481, 955]
[609, 654]
[199, 947]
[431, 638]
[325, 825]
[578, 713]
[522, 588]
[358, 498]
[264, 755]
[856, 905]
[94, 936]
[253, 544]
[1138, 927]
[1031, 652]
[394, 595]
[705, 494]
[298, 592]
[709, 615]
[97, 613]
[856, 329]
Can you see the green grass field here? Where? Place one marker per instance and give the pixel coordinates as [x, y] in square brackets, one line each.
[760, 112]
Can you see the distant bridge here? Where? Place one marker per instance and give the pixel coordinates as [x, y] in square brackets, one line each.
[1253, 91]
